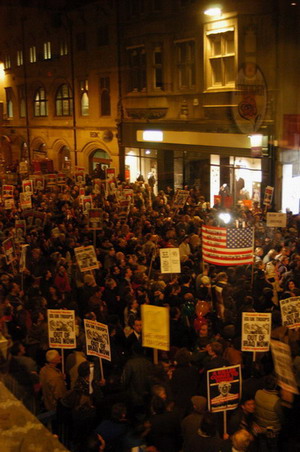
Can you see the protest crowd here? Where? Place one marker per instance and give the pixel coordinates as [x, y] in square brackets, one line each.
[141, 398]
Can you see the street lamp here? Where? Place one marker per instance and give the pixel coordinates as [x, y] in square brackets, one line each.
[213, 11]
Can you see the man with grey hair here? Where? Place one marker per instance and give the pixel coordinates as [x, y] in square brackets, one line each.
[52, 380]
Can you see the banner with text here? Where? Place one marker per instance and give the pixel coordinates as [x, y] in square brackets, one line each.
[61, 328]
[256, 331]
[97, 339]
[169, 260]
[290, 312]
[223, 388]
[281, 353]
[156, 331]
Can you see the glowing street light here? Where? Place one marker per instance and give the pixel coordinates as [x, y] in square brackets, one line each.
[214, 11]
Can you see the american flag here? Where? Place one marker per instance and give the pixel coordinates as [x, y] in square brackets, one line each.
[227, 246]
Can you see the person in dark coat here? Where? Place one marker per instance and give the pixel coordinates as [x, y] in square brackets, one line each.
[206, 438]
[184, 382]
[165, 427]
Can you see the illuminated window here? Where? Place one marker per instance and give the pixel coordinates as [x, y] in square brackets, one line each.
[105, 106]
[220, 58]
[9, 103]
[7, 62]
[32, 54]
[84, 101]
[63, 48]
[186, 64]
[47, 50]
[19, 58]
[40, 103]
[64, 101]
[137, 69]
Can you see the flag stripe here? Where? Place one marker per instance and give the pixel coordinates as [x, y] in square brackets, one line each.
[227, 246]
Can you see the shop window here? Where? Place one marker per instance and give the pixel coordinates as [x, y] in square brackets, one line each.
[40, 103]
[103, 36]
[9, 103]
[64, 101]
[137, 69]
[32, 54]
[19, 58]
[47, 50]
[186, 64]
[81, 42]
[220, 58]
[22, 101]
[158, 68]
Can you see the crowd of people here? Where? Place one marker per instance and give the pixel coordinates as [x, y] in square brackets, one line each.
[136, 402]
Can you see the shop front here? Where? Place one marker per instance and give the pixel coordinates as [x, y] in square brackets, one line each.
[220, 165]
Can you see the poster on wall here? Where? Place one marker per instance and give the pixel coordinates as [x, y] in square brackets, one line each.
[268, 197]
[61, 328]
[223, 388]
[97, 339]
[256, 331]
[249, 100]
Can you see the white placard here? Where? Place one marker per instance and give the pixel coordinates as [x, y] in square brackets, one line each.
[86, 258]
[97, 339]
[281, 353]
[61, 328]
[276, 220]
[290, 312]
[256, 331]
[156, 327]
[169, 260]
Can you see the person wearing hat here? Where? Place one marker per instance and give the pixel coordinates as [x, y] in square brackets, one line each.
[190, 424]
[52, 380]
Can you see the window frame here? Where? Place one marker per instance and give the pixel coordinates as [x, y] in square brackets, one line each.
[211, 32]
[137, 73]
[47, 50]
[62, 101]
[186, 68]
[40, 103]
